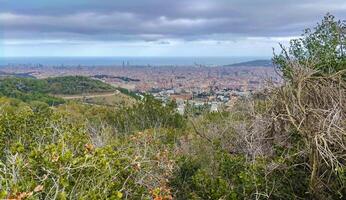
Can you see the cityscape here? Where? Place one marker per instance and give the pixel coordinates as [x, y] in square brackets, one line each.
[214, 87]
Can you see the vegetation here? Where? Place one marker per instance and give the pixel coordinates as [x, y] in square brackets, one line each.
[129, 93]
[287, 142]
[322, 48]
[111, 99]
[53, 154]
[76, 85]
[30, 89]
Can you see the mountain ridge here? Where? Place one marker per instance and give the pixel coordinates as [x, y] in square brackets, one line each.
[253, 63]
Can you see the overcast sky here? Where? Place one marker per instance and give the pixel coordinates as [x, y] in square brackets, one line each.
[156, 27]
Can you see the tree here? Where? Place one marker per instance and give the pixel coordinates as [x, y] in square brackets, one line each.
[322, 48]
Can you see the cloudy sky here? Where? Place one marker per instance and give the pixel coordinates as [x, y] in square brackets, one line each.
[156, 27]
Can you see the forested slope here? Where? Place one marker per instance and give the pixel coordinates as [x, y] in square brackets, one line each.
[30, 89]
[76, 85]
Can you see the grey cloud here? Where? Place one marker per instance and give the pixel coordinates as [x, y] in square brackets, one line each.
[160, 19]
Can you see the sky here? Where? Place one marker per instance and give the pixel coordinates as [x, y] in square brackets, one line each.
[156, 27]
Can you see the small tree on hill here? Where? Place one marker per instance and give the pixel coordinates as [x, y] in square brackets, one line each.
[323, 48]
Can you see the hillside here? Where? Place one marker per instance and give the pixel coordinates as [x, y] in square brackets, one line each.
[49, 90]
[114, 99]
[253, 63]
[76, 85]
[28, 90]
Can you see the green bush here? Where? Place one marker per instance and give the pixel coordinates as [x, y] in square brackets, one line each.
[322, 48]
[149, 113]
[43, 155]
[231, 178]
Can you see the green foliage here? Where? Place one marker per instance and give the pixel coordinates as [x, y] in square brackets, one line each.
[28, 89]
[193, 110]
[231, 178]
[322, 48]
[149, 113]
[45, 155]
[234, 156]
[76, 85]
[71, 152]
[183, 177]
[129, 93]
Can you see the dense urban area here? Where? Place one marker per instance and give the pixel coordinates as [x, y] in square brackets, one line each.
[216, 87]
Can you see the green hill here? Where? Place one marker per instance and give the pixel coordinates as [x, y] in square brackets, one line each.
[76, 85]
[28, 90]
[31, 89]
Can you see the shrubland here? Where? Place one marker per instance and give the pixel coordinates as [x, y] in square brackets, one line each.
[286, 142]
[73, 152]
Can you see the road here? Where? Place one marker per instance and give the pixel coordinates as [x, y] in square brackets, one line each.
[88, 96]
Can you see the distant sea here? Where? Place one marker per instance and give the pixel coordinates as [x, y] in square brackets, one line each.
[119, 61]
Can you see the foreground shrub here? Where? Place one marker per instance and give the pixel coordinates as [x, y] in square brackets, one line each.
[231, 178]
[46, 156]
[288, 145]
[322, 48]
[149, 113]
[313, 108]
